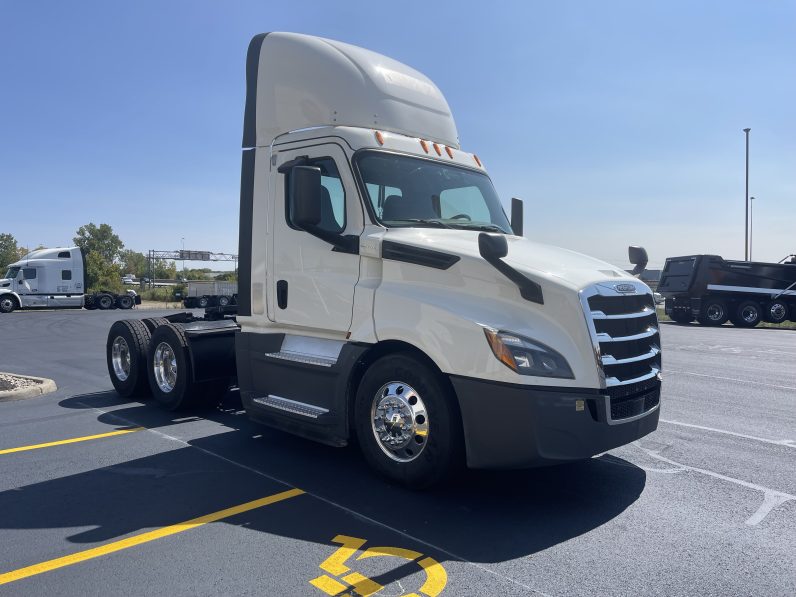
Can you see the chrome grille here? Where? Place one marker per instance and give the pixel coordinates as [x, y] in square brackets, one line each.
[624, 330]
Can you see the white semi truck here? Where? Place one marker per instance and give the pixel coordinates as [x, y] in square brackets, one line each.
[384, 294]
[54, 279]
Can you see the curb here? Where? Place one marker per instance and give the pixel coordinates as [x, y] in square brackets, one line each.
[45, 386]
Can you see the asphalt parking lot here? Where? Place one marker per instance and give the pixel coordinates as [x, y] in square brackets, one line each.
[209, 503]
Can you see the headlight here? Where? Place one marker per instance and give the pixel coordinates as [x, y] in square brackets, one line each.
[526, 356]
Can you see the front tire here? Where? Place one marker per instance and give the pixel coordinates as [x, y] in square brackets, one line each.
[407, 422]
[8, 303]
[125, 351]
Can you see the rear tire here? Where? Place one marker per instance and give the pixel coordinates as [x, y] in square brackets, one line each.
[124, 302]
[202, 302]
[125, 351]
[747, 315]
[407, 422]
[171, 376]
[714, 313]
[105, 302]
[152, 323]
[8, 303]
[223, 301]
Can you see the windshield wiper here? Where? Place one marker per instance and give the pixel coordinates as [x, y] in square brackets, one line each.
[483, 227]
[436, 223]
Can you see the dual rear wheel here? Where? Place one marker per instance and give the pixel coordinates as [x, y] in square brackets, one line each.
[151, 358]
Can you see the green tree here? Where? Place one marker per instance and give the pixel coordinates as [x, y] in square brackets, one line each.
[165, 270]
[99, 239]
[9, 251]
[133, 262]
[227, 277]
[102, 275]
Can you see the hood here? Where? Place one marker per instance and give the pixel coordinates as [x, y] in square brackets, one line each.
[559, 266]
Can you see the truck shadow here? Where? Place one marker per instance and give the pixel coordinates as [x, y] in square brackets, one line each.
[480, 516]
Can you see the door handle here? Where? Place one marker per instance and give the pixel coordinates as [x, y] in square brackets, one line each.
[281, 294]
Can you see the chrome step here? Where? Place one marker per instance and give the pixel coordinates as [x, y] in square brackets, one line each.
[291, 406]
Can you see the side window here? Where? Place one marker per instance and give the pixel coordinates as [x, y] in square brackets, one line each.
[332, 196]
[29, 273]
[64, 255]
[66, 274]
[464, 201]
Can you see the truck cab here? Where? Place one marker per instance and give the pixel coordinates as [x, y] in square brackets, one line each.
[369, 236]
[50, 278]
[384, 294]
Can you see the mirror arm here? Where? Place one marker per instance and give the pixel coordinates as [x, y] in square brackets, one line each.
[529, 290]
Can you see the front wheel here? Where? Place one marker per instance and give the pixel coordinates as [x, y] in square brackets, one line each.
[8, 303]
[407, 423]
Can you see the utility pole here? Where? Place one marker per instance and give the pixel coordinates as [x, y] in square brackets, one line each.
[746, 229]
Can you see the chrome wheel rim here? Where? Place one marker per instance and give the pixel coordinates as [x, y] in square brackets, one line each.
[6, 303]
[749, 314]
[399, 421]
[165, 367]
[120, 358]
[777, 311]
[715, 312]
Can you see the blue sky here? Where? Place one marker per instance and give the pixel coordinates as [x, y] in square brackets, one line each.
[618, 122]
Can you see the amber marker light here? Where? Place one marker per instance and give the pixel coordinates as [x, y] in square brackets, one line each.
[477, 161]
[379, 137]
[437, 149]
[500, 350]
[449, 151]
[424, 145]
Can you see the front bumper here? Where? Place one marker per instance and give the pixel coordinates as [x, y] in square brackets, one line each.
[518, 426]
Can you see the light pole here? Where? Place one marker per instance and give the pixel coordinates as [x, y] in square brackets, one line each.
[751, 224]
[746, 231]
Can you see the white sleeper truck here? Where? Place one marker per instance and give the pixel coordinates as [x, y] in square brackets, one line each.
[54, 279]
[384, 294]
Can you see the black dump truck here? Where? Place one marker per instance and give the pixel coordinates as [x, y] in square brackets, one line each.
[712, 290]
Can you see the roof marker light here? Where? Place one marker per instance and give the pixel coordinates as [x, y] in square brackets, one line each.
[424, 145]
[437, 149]
[449, 151]
[379, 137]
[477, 161]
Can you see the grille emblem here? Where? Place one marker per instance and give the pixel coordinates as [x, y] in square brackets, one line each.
[624, 288]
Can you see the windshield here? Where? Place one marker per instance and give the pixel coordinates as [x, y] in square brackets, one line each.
[407, 191]
[12, 272]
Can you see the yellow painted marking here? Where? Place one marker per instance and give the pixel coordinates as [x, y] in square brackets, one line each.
[362, 584]
[73, 440]
[328, 585]
[334, 564]
[102, 550]
[436, 577]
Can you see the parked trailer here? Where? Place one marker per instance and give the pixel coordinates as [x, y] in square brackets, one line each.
[384, 294]
[712, 290]
[210, 294]
[55, 279]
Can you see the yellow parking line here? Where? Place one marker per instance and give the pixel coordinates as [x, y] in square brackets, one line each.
[70, 441]
[102, 550]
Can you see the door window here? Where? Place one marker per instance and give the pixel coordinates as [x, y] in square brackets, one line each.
[332, 196]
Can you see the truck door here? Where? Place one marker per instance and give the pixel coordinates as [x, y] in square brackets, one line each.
[28, 288]
[312, 286]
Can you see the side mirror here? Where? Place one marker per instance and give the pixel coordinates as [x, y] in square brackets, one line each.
[492, 246]
[516, 216]
[305, 196]
[638, 257]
